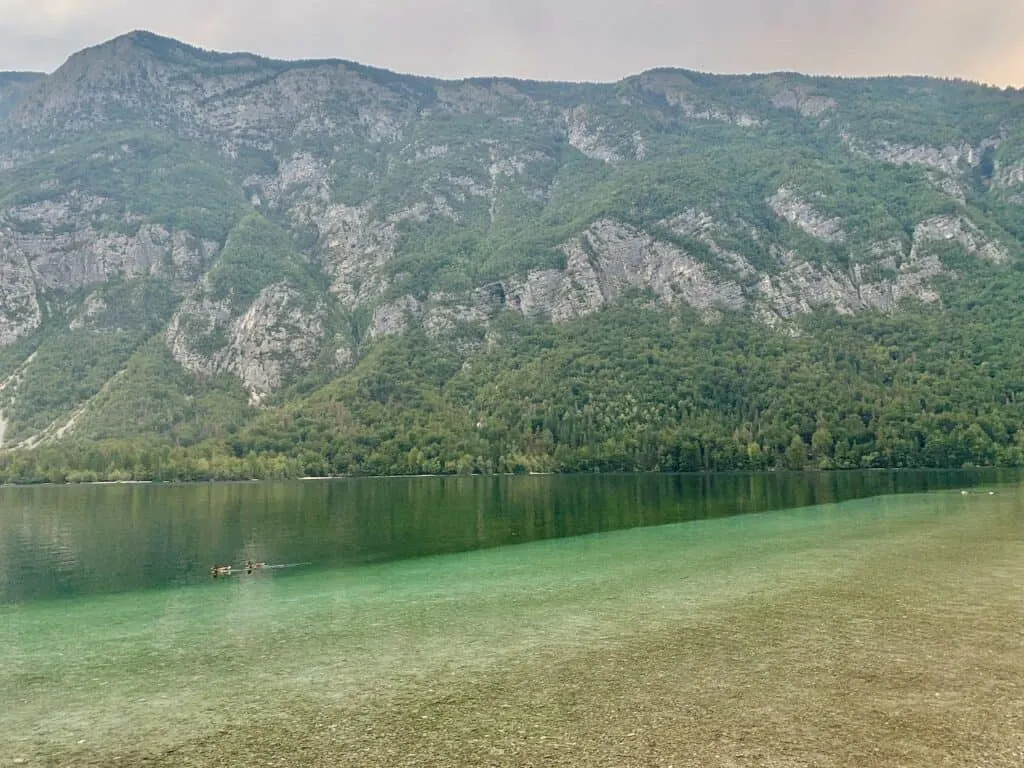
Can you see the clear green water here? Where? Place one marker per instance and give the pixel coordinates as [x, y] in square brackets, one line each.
[557, 651]
[72, 541]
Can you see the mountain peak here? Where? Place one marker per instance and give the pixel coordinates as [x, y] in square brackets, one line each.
[141, 42]
[128, 77]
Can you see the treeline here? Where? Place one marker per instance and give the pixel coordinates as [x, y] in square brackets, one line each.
[629, 389]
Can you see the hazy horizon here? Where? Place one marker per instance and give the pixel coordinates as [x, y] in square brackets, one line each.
[596, 41]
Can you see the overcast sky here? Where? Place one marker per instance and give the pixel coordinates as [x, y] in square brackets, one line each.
[554, 39]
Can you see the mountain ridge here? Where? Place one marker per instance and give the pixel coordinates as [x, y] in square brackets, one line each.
[256, 231]
[155, 41]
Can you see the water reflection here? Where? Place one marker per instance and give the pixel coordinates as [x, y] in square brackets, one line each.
[66, 541]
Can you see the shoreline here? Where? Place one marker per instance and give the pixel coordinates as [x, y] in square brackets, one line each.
[1017, 471]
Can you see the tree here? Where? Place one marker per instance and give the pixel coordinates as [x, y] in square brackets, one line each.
[796, 454]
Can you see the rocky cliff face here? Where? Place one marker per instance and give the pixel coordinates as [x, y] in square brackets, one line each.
[277, 335]
[414, 202]
[55, 246]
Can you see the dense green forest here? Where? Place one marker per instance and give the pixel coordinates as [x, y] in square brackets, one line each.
[628, 389]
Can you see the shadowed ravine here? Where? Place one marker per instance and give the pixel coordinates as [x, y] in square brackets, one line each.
[876, 632]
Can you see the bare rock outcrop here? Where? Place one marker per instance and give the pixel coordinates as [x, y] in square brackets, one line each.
[20, 313]
[93, 307]
[355, 247]
[788, 205]
[67, 249]
[301, 174]
[279, 333]
[589, 139]
[950, 159]
[961, 230]
[804, 100]
[703, 227]
[446, 311]
[607, 260]
[59, 245]
[803, 287]
[1009, 176]
[394, 317]
[240, 97]
[679, 92]
[611, 258]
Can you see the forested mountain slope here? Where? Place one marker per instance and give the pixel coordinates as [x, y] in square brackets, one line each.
[222, 265]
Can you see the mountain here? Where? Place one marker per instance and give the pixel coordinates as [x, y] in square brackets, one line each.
[13, 86]
[222, 265]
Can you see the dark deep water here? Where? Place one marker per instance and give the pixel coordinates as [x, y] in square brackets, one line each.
[77, 540]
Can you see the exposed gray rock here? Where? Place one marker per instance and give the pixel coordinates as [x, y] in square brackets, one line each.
[471, 186]
[20, 313]
[238, 96]
[587, 139]
[611, 257]
[446, 311]
[67, 252]
[8, 393]
[803, 100]
[1009, 176]
[744, 120]
[718, 114]
[344, 357]
[278, 334]
[430, 152]
[679, 92]
[473, 97]
[197, 319]
[92, 307]
[789, 206]
[639, 146]
[355, 245]
[391, 319]
[56, 245]
[12, 159]
[301, 175]
[804, 287]
[949, 186]
[703, 227]
[950, 159]
[354, 250]
[559, 295]
[607, 260]
[963, 231]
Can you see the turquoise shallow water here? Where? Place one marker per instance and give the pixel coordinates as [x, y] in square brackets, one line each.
[159, 670]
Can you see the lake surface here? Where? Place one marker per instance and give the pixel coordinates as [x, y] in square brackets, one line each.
[75, 540]
[861, 620]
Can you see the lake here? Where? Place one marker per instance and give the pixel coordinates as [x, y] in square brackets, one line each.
[829, 619]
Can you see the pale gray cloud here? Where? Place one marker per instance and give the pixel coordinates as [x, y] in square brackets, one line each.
[553, 39]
